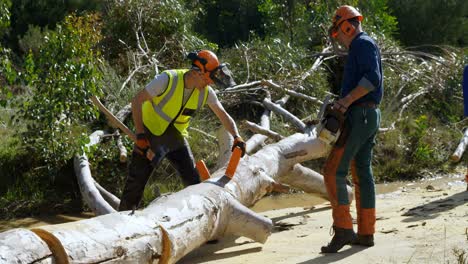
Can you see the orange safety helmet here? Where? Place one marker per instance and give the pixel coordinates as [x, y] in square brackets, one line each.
[341, 17]
[208, 63]
[205, 60]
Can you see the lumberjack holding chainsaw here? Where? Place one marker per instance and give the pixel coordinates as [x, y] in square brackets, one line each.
[361, 93]
[161, 114]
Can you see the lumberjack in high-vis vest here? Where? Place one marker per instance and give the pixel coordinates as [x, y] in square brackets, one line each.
[161, 114]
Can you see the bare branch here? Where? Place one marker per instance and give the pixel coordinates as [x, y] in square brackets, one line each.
[244, 86]
[283, 112]
[408, 100]
[316, 64]
[271, 84]
[203, 133]
[108, 196]
[260, 130]
[256, 140]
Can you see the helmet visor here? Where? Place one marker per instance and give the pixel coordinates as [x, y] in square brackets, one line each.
[222, 77]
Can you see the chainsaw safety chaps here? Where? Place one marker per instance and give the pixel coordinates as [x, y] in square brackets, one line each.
[362, 124]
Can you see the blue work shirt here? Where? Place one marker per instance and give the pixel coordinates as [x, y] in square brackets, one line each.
[363, 68]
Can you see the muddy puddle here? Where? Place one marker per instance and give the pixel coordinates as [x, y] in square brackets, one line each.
[272, 202]
[31, 222]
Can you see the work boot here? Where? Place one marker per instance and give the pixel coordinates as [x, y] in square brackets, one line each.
[341, 238]
[364, 240]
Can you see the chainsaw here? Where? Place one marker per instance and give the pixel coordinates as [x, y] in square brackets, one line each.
[331, 123]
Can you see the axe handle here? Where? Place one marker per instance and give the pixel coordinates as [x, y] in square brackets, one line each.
[113, 120]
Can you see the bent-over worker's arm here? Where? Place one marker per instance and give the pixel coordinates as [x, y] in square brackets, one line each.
[222, 115]
[137, 103]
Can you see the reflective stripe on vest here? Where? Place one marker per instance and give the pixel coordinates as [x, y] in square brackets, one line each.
[161, 110]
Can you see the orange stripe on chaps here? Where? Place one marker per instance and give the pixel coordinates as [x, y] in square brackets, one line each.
[368, 221]
[341, 214]
[365, 216]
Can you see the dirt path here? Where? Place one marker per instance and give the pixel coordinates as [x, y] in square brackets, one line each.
[418, 223]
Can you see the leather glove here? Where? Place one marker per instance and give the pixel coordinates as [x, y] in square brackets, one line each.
[142, 144]
[239, 142]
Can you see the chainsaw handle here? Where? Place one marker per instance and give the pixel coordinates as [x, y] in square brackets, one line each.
[233, 162]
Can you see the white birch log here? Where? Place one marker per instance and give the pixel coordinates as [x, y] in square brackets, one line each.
[89, 192]
[111, 199]
[190, 217]
[23, 246]
[456, 156]
[112, 238]
[173, 225]
[309, 181]
[257, 140]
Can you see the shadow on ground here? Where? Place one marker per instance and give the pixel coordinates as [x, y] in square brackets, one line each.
[433, 209]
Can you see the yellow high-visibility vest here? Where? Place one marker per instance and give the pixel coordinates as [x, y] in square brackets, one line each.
[163, 109]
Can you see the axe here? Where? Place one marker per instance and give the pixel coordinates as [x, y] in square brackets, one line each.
[201, 167]
[117, 123]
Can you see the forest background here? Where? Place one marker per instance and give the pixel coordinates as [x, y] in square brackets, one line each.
[54, 55]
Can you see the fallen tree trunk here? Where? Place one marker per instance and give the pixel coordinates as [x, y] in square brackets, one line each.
[89, 191]
[456, 156]
[173, 225]
[23, 246]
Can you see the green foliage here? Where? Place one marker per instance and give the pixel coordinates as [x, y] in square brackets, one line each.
[421, 150]
[4, 16]
[44, 13]
[228, 22]
[66, 77]
[377, 17]
[33, 39]
[148, 35]
[287, 19]
[159, 21]
[7, 76]
[431, 22]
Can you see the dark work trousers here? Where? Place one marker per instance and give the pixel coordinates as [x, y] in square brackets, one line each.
[170, 144]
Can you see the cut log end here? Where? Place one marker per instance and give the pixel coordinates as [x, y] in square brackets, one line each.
[166, 247]
[54, 244]
[280, 188]
[455, 158]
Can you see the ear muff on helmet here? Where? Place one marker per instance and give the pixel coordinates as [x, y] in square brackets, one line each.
[347, 28]
[193, 56]
[340, 20]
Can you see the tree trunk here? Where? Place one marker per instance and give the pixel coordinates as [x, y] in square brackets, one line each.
[456, 156]
[173, 225]
[89, 191]
[23, 246]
